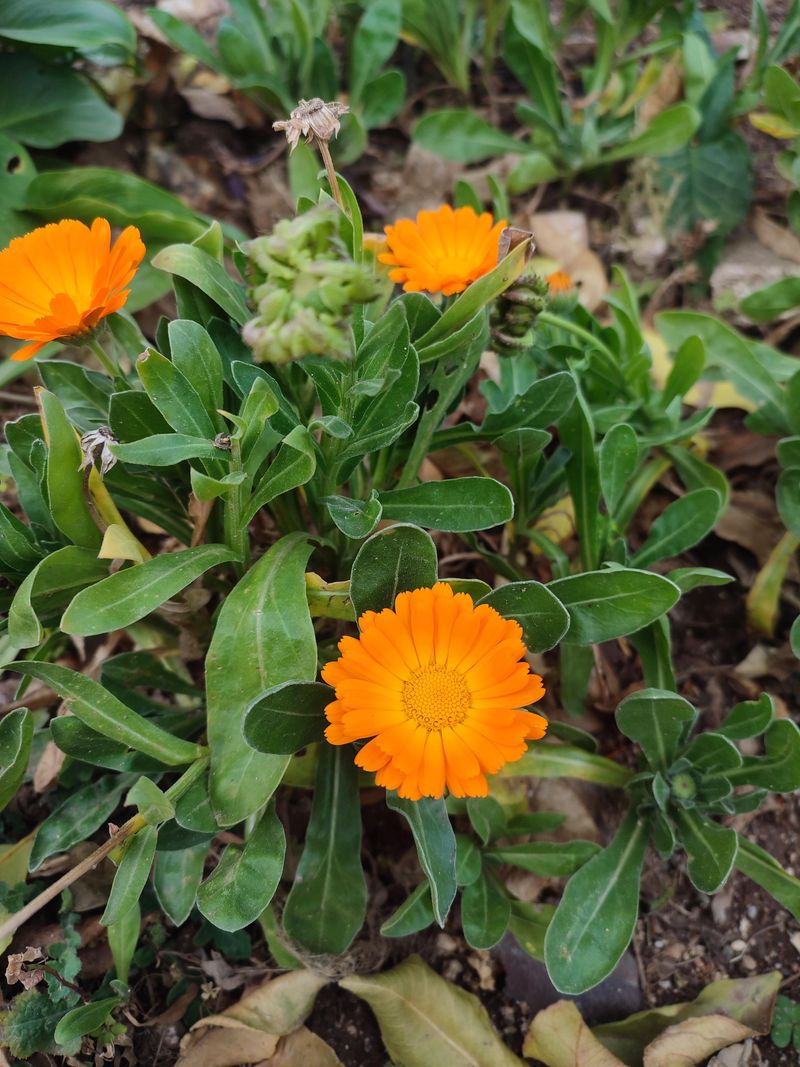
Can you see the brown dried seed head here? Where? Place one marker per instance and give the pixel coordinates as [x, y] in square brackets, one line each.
[312, 119]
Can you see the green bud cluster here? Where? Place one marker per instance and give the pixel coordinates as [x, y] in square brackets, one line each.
[515, 312]
[304, 285]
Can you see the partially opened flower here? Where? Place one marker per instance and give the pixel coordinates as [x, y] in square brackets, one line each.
[443, 251]
[560, 282]
[59, 281]
[439, 685]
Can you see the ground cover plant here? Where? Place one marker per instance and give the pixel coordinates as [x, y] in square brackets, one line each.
[351, 590]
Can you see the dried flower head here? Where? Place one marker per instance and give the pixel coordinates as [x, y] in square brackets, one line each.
[440, 686]
[59, 281]
[95, 446]
[314, 120]
[16, 971]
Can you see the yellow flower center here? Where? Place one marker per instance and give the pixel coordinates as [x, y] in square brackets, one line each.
[436, 697]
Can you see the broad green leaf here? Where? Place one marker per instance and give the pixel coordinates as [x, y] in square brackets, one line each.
[123, 937]
[131, 594]
[166, 449]
[485, 911]
[263, 636]
[709, 181]
[48, 589]
[764, 869]
[327, 903]
[131, 876]
[543, 618]
[488, 817]
[373, 43]
[102, 711]
[201, 269]
[425, 1020]
[77, 818]
[245, 879]
[65, 487]
[413, 915]
[287, 717]
[468, 860]
[779, 769]
[528, 924]
[16, 734]
[668, 131]
[685, 522]
[711, 849]
[294, 465]
[456, 505]
[619, 457]
[355, 518]
[688, 578]
[711, 753]
[436, 847]
[84, 1019]
[686, 369]
[772, 301]
[46, 104]
[85, 25]
[595, 919]
[174, 396]
[196, 356]
[193, 810]
[566, 761]
[548, 859]
[79, 741]
[656, 720]
[749, 718]
[392, 561]
[606, 604]
[462, 136]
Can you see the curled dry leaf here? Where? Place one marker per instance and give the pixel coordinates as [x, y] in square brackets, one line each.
[250, 1031]
[17, 972]
[303, 1048]
[559, 1037]
[424, 1020]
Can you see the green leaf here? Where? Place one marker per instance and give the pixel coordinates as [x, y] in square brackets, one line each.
[788, 499]
[668, 131]
[657, 721]
[294, 465]
[681, 526]
[373, 43]
[327, 903]
[84, 1019]
[468, 861]
[566, 761]
[45, 105]
[485, 911]
[436, 847]
[102, 711]
[288, 717]
[123, 937]
[456, 506]
[201, 269]
[174, 395]
[711, 753]
[263, 636]
[576, 430]
[764, 869]
[166, 449]
[709, 181]
[606, 604]
[64, 478]
[711, 849]
[85, 25]
[131, 594]
[176, 878]
[548, 859]
[48, 589]
[245, 879]
[749, 718]
[619, 457]
[16, 735]
[196, 356]
[779, 769]
[17, 171]
[392, 561]
[384, 97]
[77, 818]
[413, 915]
[528, 924]
[462, 136]
[685, 371]
[595, 919]
[688, 578]
[131, 876]
[543, 618]
[153, 805]
[355, 518]
[773, 300]
[488, 817]
[425, 1020]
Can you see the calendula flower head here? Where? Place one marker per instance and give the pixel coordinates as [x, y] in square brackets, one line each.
[59, 281]
[515, 311]
[304, 285]
[560, 282]
[440, 687]
[443, 251]
[312, 119]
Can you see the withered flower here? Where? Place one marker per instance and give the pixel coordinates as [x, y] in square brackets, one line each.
[16, 971]
[95, 446]
[314, 120]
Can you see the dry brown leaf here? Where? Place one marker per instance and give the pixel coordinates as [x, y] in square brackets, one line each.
[223, 1048]
[666, 91]
[694, 1040]
[559, 1037]
[780, 240]
[303, 1048]
[213, 106]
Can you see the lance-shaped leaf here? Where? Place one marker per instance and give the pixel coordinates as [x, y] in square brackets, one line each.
[413, 915]
[595, 919]
[327, 903]
[176, 878]
[549, 859]
[779, 769]
[127, 596]
[166, 449]
[749, 718]
[47, 590]
[458, 505]
[485, 910]
[174, 396]
[606, 604]
[102, 711]
[711, 849]
[16, 734]
[567, 761]
[201, 269]
[263, 636]
[619, 457]
[245, 879]
[288, 717]
[763, 868]
[294, 464]
[681, 526]
[656, 720]
[392, 561]
[78, 816]
[542, 616]
[84, 1019]
[131, 876]
[436, 847]
[65, 488]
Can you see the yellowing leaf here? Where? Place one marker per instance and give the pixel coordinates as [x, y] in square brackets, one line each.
[303, 1048]
[774, 125]
[13, 870]
[694, 1040]
[704, 394]
[763, 598]
[426, 1022]
[559, 1037]
[556, 523]
[119, 543]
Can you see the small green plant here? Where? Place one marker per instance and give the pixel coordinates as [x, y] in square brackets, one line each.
[786, 1023]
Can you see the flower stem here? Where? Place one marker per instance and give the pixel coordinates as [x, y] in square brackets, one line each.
[333, 180]
[108, 365]
[578, 331]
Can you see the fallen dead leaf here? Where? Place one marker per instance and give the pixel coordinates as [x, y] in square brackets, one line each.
[694, 1040]
[303, 1048]
[780, 240]
[559, 1037]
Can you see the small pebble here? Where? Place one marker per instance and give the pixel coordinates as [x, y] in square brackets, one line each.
[749, 963]
[738, 945]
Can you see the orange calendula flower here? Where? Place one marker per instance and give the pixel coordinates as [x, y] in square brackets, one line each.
[443, 251]
[439, 685]
[58, 282]
[559, 281]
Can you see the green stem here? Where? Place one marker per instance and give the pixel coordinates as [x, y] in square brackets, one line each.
[578, 331]
[107, 364]
[187, 779]
[235, 527]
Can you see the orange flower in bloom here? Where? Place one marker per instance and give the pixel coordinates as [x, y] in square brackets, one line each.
[59, 281]
[443, 251]
[559, 281]
[439, 685]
